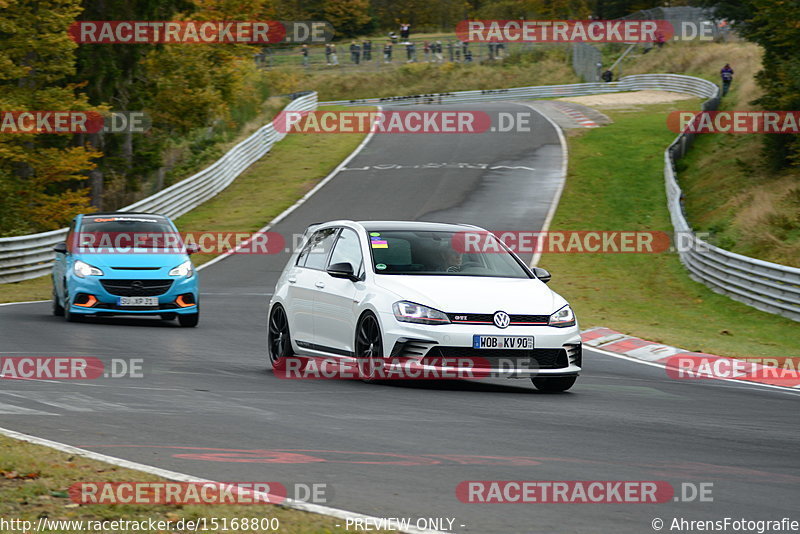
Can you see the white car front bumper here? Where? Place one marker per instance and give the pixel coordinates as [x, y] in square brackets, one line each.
[448, 349]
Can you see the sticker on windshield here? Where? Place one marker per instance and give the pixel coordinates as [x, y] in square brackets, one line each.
[379, 243]
[123, 219]
[380, 266]
[375, 234]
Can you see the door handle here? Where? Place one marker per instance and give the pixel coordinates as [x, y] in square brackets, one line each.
[291, 279]
[320, 284]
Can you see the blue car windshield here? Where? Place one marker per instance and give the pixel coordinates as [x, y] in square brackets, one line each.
[142, 230]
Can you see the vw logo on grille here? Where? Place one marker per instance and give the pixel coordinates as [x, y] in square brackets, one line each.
[501, 319]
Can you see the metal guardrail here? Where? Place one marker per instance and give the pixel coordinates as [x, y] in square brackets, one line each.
[766, 286]
[664, 82]
[30, 256]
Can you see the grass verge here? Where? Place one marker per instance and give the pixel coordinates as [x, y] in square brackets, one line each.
[272, 184]
[34, 483]
[615, 182]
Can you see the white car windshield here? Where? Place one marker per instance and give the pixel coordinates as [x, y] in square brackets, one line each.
[441, 253]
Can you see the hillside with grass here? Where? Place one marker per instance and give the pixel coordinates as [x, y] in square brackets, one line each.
[731, 190]
[537, 65]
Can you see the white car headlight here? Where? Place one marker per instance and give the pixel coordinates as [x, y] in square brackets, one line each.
[184, 269]
[563, 317]
[409, 312]
[83, 269]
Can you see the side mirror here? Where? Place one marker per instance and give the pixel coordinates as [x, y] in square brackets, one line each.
[342, 270]
[542, 274]
[192, 248]
[61, 248]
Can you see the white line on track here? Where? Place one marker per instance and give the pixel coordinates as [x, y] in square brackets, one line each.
[746, 385]
[564, 162]
[23, 302]
[182, 477]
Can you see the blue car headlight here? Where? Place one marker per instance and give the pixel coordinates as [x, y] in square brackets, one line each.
[81, 269]
[184, 269]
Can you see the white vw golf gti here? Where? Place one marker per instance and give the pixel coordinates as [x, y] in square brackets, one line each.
[416, 292]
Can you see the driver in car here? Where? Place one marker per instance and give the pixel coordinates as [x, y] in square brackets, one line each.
[451, 260]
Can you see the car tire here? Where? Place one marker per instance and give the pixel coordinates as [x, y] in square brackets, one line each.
[555, 384]
[68, 315]
[189, 320]
[369, 348]
[168, 316]
[279, 338]
[58, 309]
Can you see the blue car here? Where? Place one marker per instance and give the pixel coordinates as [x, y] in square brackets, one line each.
[125, 264]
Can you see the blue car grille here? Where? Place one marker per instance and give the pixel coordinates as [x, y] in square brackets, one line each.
[136, 288]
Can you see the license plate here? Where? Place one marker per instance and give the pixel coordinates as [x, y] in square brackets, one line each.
[502, 342]
[138, 301]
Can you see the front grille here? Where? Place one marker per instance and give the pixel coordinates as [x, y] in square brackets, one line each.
[136, 288]
[492, 358]
[488, 318]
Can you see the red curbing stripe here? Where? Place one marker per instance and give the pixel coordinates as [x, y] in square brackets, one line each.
[690, 365]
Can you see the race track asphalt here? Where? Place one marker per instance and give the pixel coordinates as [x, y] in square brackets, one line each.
[209, 406]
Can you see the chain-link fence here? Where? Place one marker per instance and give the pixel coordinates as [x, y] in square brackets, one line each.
[587, 62]
[587, 59]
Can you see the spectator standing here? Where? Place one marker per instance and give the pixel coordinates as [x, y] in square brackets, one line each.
[439, 57]
[355, 53]
[411, 53]
[727, 78]
[405, 31]
[327, 53]
[450, 51]
[367, 50]
[261, 57]
[607, 76]
[334, 57]
[426, 49]
[304, 51]
[387, 52]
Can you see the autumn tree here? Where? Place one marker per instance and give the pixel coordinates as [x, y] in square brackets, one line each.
[41, 175]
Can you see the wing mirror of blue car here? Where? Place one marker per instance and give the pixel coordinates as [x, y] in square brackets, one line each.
[61, 248]
[192, 248]
[542, 274]
[342, 270]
